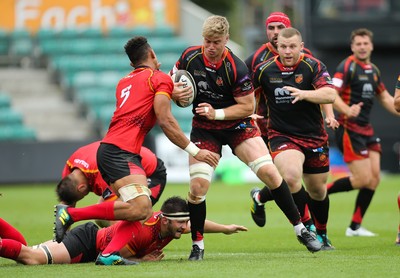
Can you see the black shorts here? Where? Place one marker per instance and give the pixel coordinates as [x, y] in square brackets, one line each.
[355, 146]
[156, 182]
[115, 164]
[81, 243]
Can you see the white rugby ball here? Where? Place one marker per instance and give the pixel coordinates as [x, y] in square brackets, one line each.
[185, 77]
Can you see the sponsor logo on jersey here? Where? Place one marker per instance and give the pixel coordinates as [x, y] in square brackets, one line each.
[199, 73]
[275, 80]
[282, 96]
[81, 162]
[367, 91]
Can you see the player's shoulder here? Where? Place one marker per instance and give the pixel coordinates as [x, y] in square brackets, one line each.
[266, 64]
[154, 219]
[191, 51]
[307, 51]
[312, 61]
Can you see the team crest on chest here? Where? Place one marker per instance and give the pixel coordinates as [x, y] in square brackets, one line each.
[298, 78]
[219, 81]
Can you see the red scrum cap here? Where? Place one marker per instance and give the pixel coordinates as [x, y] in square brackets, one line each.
[278, 17]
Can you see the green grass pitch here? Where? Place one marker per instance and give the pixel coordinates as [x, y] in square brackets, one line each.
[272, 251]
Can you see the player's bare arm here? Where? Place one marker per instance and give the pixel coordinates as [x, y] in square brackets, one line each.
[350, 111]
[243, 109]
[387, 100]
[397, 100]
[213, 227]
[320, 95]
[330, 120]
[171, 129]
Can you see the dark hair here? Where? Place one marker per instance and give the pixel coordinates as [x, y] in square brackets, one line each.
[174, 204]
[361, 32]
[137, 50]
[66, 191]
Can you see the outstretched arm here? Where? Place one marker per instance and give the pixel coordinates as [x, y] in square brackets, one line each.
[213, 227]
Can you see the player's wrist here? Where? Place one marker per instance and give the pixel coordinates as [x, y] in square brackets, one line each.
[192, 149]
[219, 114]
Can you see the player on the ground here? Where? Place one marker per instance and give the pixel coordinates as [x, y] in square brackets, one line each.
[83, 243]
[358, 81]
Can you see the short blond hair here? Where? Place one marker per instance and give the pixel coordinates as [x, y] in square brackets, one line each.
[215, 25]
[290, 32]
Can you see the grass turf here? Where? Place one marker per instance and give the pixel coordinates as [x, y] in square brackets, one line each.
[269, 251]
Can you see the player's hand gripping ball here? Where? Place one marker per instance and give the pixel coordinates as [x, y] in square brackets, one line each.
[185, 77]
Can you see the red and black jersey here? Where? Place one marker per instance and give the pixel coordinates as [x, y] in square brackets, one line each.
[262, 54]
[144, 240]
[134, 115]
[217, 84]
[84, 159]
[357, 82]
[302, 120]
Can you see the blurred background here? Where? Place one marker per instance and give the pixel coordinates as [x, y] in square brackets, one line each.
[61, 60]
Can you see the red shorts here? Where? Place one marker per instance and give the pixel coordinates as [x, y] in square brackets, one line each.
[214, 139]
[316, 159]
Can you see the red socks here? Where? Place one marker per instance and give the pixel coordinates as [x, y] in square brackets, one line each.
[10, 248]
[103, 210]
[9, 232]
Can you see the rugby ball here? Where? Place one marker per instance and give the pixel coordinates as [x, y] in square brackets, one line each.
[185, 77]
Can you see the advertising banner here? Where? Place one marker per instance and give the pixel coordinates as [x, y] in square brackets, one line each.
[74, 14]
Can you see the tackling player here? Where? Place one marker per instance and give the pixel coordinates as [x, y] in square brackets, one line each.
[81, 176]
[142, 98]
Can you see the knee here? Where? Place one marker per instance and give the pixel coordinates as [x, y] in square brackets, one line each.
[270, 176]
[139, 209]
[375, 180]
[361, 181]
[318, 193]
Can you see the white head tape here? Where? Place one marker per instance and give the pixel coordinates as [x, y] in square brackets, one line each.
[184, 216]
